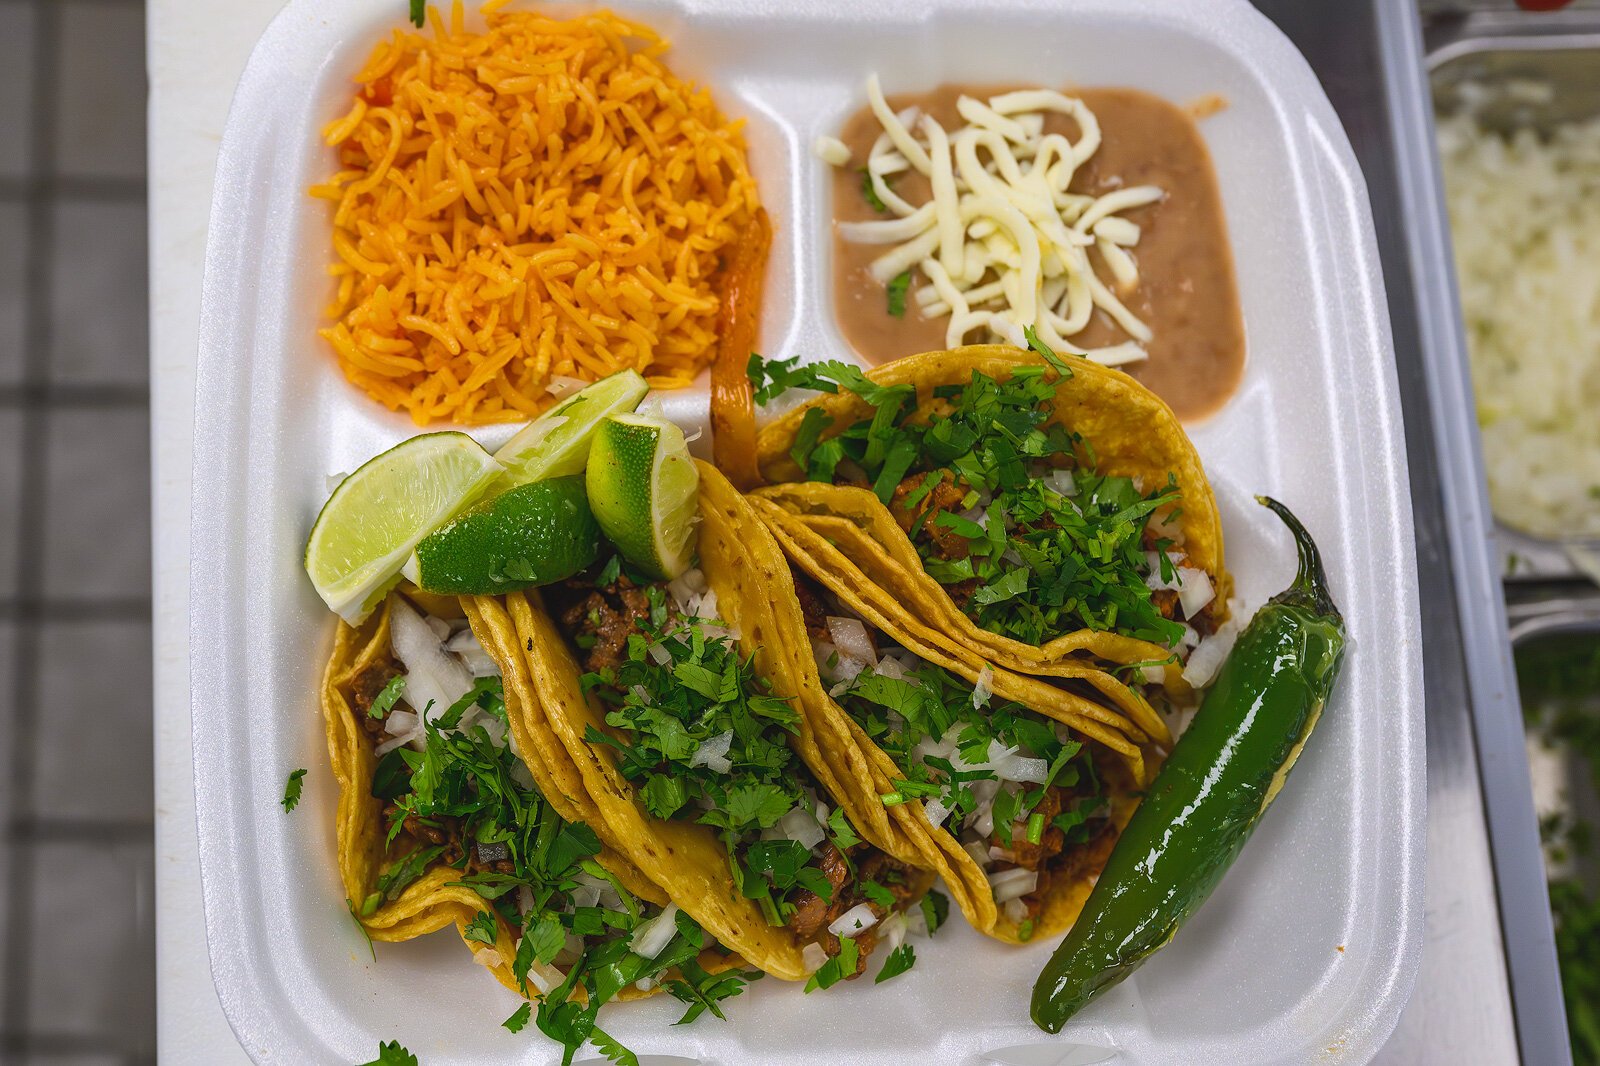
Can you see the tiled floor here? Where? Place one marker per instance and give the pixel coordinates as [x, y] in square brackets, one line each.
[77, 967]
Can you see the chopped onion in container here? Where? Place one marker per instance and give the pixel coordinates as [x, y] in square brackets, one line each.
[652, 936]
[1012, 883]
[855, 920]
[850, 637]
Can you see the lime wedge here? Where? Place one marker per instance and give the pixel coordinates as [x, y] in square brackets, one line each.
[531, 535]
[557, 442]
[642, 487]
[376, 516]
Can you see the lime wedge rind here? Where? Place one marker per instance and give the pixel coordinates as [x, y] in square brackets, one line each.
[377, 516]
[535, 534]
[643, 491]
[556, 444]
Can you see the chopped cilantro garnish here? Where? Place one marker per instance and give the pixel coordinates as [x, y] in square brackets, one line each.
[704, 991]
[419, 13]
[896, 291]
[1035, 542]
[935, 909]
[679, 688]
[391, 1053]
[899, 961]
[291, 789]
[870, 194]
[390, 695]
[483, 929]
[837, 968]
[519, 1018]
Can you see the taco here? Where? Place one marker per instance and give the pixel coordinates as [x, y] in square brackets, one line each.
[448, 815]
[1028, 808]
[1042, 513]
[697, 736]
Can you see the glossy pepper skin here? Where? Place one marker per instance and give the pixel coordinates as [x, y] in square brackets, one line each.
[1223, 772]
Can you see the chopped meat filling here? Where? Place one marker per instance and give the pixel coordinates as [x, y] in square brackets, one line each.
[812, 605]
[1050, 857]
[606, 616]
[366, 687]
[942, 543]
[846, 875]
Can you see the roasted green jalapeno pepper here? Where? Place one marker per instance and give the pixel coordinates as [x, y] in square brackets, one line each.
[1223, 772]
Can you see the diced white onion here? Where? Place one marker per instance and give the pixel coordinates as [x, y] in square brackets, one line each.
[713, 753]
[1209, 655]
[660, 654]
[894, 930]
[587, 892]
[435, 679]
[800, 826]
[850, 637]
[440, 627]
[640, 693]
[853, 921]
[1196, 592]
[1153, 579]
[824, 652]
[487, 956]
[997, 853]
[562, 385]
[936, 811]
[465, 644]
[525, 901]
[979, 853]
[399, 723]
[398, 742]
[1012, 883]
[813, 957]
[645, 984]
[1153, 675]
[1062, 481]
[981, 690]
[1022, 768]
[1015, 910]
[891, 667]
[652, 936]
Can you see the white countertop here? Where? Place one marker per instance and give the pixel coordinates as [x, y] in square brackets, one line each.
[196, 53]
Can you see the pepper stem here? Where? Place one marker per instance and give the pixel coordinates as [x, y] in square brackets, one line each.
[1310, 586]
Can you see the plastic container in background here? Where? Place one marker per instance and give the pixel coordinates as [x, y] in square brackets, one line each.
[1308, 949]
[1488, 55]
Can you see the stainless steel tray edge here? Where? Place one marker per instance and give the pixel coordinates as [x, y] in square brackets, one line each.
[1496, 711]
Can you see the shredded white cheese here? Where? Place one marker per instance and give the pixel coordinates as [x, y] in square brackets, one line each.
[1001, 244]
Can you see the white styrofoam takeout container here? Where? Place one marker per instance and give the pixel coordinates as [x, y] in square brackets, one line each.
[1306, 952]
